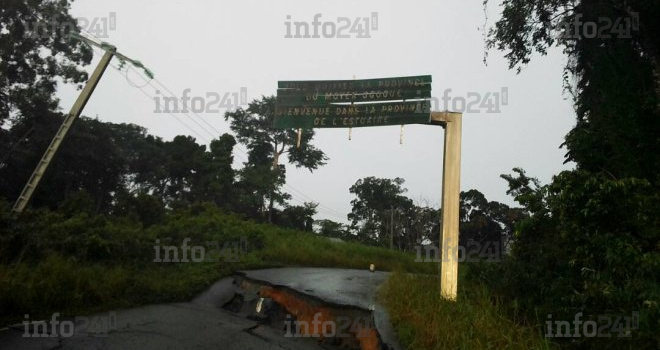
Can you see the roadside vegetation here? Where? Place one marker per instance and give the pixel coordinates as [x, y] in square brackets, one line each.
[586, 243]
[424, 321]
[79, 263]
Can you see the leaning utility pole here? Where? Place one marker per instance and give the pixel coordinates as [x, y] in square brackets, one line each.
[77, 108]
[75, 112]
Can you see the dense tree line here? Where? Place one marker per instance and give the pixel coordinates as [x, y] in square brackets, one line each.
[591, 243]
[120, 169]
[382, 215]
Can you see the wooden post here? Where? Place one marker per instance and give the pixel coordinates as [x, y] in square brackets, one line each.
[451, 190]
[77, 108]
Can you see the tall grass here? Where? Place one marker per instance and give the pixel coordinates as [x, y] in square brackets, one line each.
[304, 249]
[424, 321]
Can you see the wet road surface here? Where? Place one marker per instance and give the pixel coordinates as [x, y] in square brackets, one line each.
[204, 324]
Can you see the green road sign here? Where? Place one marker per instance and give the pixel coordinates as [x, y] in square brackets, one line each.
[332, 103]
[350, 85]
[290, 97]
[352, 116]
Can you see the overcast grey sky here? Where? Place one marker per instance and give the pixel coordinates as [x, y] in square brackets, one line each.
[222, 46]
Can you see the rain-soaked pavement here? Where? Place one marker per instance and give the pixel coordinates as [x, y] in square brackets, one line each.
[240, 312]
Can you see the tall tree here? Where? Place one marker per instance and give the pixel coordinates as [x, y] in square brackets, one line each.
[590, 244]
[91, 160]
[185, 163]
[378, 200]
[299, 217]
[616, 70]
[253, 127]
[329, 228]
[218, 174]
[424, 226]
[489, 223]
[36, 49]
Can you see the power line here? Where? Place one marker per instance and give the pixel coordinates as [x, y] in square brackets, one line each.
[187, 114]
[321, 210]
[311, 199]
[324, 208]
[288, 186]
[149, 96]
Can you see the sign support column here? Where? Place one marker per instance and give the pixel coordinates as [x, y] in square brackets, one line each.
[451, 190]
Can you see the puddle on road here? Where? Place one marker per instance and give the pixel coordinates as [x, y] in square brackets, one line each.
[298, 315]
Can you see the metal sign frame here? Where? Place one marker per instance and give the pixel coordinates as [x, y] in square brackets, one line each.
[323, 104]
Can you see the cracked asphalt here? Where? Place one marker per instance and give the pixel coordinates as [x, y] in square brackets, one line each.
[202, 324]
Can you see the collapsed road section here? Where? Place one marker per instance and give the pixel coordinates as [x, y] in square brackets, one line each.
[332, 307]
[298, 315]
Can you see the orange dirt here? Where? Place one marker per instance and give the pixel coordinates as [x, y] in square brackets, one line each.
[306, 312]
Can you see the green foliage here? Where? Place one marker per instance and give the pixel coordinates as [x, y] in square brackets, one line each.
[60, 284]
[425, 321]
[381, 207]
[261, 180]
[329, 228]
[298, 217]
[591, 243]
[375, 203]
[219, 175]
[28, 76]
[89, 160]
[148, 210]
[490, 224]
[122, 169]
[80, 262]
[613, 79]
[254, 128]
[591, 247]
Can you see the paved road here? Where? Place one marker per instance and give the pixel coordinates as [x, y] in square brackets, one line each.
[202, 324]
[336, 286]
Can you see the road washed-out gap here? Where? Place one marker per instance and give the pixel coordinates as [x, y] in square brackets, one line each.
[299, 315]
